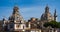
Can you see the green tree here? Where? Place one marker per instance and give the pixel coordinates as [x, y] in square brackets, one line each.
[53, 24]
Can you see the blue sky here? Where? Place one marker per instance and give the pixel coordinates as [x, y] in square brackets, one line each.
[29, 8]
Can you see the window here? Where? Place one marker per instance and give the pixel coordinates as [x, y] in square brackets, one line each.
[17, 25]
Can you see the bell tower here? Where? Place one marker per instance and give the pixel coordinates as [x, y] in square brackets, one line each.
[16, 20]
[15, 15]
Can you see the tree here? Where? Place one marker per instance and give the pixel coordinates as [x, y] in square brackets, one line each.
[58, 24]
[53, 24]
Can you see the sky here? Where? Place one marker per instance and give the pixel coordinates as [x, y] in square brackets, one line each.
[29, 8]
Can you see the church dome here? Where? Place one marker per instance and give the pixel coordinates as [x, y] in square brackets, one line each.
[47, 15]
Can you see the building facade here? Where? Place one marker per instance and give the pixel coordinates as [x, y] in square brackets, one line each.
[16, 22]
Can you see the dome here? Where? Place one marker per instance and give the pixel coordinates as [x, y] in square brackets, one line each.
[46, 17]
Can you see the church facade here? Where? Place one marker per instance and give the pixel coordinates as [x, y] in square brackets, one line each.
[16, 22]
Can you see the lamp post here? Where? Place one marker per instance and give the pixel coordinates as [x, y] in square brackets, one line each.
[23, 30]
